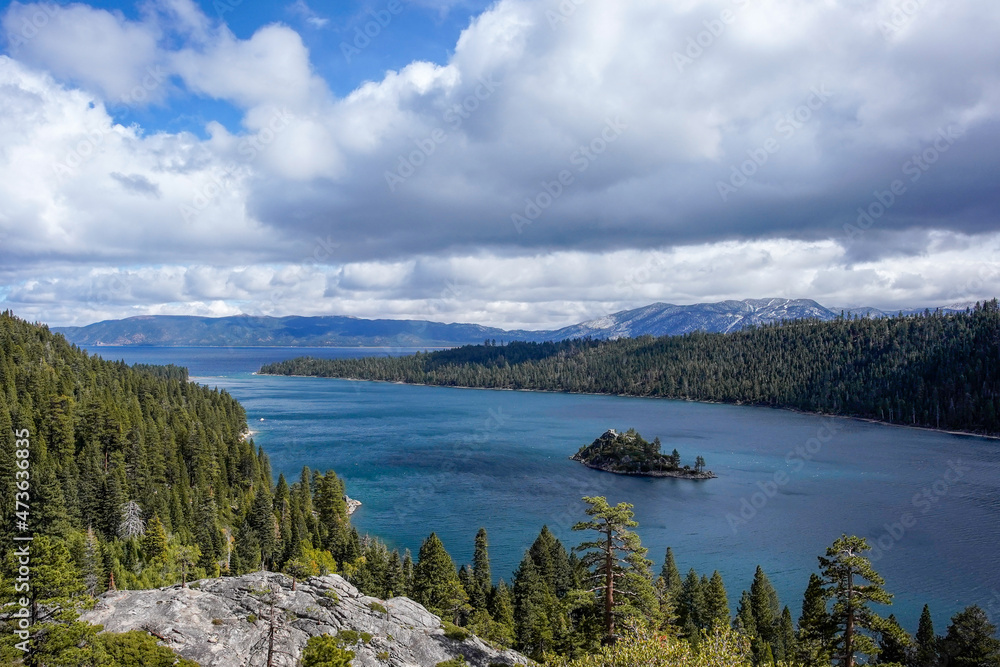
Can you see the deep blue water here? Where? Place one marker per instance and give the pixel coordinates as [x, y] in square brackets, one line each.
[425, 459]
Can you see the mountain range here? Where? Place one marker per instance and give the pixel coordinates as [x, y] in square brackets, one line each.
[658, 319]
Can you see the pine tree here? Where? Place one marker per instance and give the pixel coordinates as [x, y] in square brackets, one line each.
[154, 542]
[691, 605]
[261, 521]
[970, 640]
[895, 645]
[501, 608]
[92, 566]
[716, 603]
[395, 578]
[482, 571]
[669, 581]
[533, 627]
[786, 637]
[816, 628]
[853, 585]
[616, 555]
[927, 649]
[435, 580]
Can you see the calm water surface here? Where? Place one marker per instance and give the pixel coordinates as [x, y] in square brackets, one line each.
[425, 459]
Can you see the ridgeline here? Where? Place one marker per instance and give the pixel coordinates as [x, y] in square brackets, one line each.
[933, 370]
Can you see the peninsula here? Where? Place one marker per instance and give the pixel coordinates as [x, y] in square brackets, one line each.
[630, 454]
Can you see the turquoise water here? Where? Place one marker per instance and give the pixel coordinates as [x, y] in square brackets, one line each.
[425, 459]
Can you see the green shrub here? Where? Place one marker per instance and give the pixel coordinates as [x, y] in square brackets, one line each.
[348, 637]
[454, 662]
[325, 651]
[252, 618]
[452, 631]
[375, 606]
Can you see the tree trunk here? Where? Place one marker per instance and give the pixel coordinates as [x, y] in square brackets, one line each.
[609, 591]
[849, 626]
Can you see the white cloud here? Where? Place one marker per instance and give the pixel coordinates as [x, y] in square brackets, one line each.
[527, 95]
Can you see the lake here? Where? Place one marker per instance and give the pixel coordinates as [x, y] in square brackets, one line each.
[425, 459]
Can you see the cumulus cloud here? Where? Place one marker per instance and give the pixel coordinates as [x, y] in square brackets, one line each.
[840, 150]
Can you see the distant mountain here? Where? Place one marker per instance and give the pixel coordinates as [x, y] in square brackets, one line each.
[244, 330]
[658, 319]
[667, 319]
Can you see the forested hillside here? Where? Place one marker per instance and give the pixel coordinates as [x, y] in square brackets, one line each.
[937, 370]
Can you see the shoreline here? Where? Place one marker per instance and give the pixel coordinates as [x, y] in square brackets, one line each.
[869, 420]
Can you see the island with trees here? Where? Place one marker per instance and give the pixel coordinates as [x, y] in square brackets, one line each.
[629, 453]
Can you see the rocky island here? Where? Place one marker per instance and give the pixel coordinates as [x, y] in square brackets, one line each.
[630, 454]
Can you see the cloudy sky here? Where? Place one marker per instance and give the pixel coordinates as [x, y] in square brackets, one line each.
[522, 163]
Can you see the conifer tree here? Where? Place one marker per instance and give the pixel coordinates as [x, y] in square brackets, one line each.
[691, 606]
[435, 580]
[816, 628]
[501, 608]
[533, 627]
[615, 555]
[853, 585]
[481, 569]
[154, 542]
[895, 645]
[395, 578]
[669, 582]
[716, 603]
[971, 640]
[927, 644]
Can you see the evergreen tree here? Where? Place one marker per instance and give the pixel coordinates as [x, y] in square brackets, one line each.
[853, 585]
[481, 569]
[435, 580]
[816, 627]
[92, 567]
[615, 555]
[154, 542]
[716, 603]
[895, 645]
[927, 644]
[501, 608]
[395, 577]
[532, 603]
[971, 641]
[786, 637]
[669, 582]
[691, 612]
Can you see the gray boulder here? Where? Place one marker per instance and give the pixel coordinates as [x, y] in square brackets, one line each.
[225, 623]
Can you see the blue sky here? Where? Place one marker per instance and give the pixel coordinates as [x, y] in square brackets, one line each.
[521, 163]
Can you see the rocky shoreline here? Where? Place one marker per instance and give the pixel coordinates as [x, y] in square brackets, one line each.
[352, 505]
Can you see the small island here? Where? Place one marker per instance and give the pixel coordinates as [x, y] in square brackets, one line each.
[629, 454]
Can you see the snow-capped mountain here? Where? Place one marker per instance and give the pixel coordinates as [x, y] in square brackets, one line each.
[667, 319]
